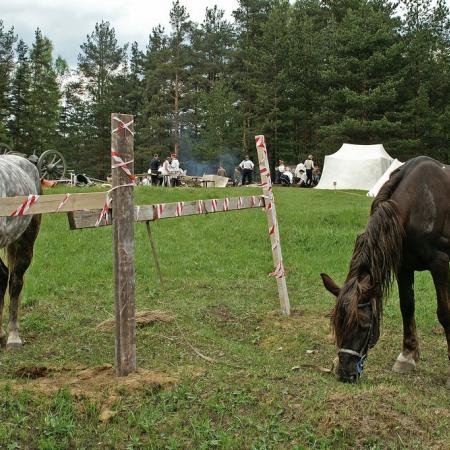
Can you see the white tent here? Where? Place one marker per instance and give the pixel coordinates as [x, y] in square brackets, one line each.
[354, 167]
[377, 186]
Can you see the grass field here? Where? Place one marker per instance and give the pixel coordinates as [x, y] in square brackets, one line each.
[263, 387]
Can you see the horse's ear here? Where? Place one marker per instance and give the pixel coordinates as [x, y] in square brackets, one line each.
[330, 285]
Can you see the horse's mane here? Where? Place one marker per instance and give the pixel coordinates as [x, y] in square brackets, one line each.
[375, 259]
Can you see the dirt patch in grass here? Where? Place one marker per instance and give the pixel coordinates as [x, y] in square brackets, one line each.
[89, 382]
[145, 317]
[371, 413]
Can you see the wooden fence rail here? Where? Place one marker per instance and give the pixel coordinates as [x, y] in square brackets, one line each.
[145, 213]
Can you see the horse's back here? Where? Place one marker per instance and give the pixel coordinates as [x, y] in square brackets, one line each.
[18, 177]
[421, 191]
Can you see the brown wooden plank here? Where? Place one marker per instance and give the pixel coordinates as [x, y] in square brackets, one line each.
[49, 203]
[144, 213]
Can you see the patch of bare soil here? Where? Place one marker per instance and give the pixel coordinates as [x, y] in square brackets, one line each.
[90, 382]
[143, 318]
[99, 384]
[371, 413]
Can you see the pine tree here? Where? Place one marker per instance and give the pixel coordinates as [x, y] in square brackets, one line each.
[99, 63]
[7, 40]
[250, 18]
[20, 123]
[179, 67]
[362, 76]
[44, 96]
[426, 87]
[156, 130]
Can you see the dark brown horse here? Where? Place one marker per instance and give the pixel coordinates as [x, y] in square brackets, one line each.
[18, 176]
[408, 230]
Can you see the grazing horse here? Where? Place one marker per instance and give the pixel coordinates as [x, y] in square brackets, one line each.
[18, 176]
[408, 230]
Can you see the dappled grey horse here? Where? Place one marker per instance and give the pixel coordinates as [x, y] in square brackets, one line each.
[18, 176]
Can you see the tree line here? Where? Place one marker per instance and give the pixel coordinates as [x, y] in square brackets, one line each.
[309, 75]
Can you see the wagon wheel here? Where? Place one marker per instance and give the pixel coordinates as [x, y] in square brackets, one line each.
[51, 165]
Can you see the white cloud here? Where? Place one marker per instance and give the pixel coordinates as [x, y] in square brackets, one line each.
[67, 23]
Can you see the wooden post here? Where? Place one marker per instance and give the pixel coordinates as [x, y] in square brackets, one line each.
[274, 232]
[122, 154]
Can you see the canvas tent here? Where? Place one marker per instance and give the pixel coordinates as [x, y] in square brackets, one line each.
[354, 167]
[377, 186]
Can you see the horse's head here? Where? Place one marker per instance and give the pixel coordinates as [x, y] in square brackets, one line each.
[356, 323]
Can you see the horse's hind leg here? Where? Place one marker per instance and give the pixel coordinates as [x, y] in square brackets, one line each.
[3, 285]
[441, 278]
[406, 361]
[20, 254]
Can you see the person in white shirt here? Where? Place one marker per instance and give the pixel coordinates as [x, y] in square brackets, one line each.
[174, 170]
[309, 165]
[165, 171]
[287, 177]
[300, 174]
[247, 170]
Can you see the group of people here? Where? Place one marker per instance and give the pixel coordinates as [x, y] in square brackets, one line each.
[243, 173]
[166, 173]
[306, 174]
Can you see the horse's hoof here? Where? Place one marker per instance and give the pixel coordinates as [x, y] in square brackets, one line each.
[404, 364]
[13, 346]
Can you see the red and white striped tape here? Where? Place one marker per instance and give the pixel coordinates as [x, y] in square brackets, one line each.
[260, 141]
[64, 201]
[120, 163]
[226, 204]
[123, 126]
[158, 210]
[240, 203]
[179, 209]
[214, 205]
[103, 215]
[272, 230]
[200, 207]
[279, 271]
[25, 205]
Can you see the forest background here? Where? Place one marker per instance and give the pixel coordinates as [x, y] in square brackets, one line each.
[309, 74]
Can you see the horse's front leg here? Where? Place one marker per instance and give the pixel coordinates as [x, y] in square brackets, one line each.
[3, 285]
[406, 361]
[441, 279]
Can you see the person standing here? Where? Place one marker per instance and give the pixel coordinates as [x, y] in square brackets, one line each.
[221, 171]
[309, 166]
[166, 171]
[154, 166]
[174, 170]
[247, 170]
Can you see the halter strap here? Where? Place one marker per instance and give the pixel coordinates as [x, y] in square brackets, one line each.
[362, 354]
[350, 352]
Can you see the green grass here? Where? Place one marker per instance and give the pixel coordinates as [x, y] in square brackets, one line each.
[215, 269]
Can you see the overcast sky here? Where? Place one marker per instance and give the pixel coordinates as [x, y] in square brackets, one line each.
[67, 22]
